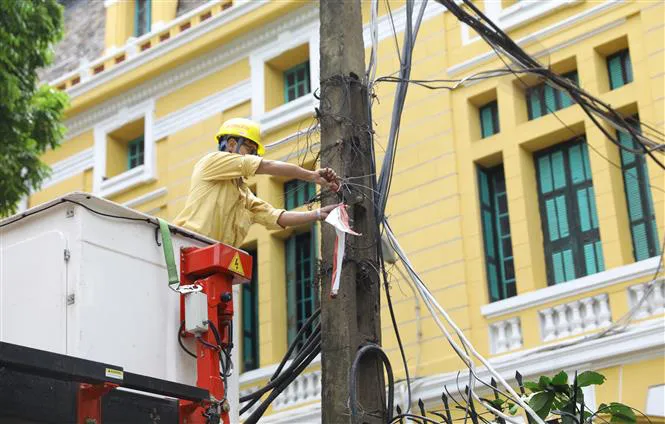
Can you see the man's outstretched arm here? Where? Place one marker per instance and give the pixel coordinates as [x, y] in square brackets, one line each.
[291, 219]
[324, 177]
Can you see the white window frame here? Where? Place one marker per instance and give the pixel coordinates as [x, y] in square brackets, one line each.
[131, 178]
[298, 108]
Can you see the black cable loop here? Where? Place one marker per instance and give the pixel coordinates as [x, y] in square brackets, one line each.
[353, 380]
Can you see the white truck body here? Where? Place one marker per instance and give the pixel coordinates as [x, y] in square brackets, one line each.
[81, 284]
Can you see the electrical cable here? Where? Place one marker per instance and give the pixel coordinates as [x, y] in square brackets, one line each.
[313, 351]
[353, 379]
[182, 345]
[310, 344]
[432, 304]
[294, 343]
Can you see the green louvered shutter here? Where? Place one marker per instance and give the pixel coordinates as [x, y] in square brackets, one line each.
[616, 74]
[488, 235]
[550, 99]
[135, 153]
[496, 233]
[250, 319]
[564, 98]
[296, 82]
[301, 253]
[620, 69]
[638, 201]
[297, 193]
[568, 212]
[534, 103]
[291, 295]
[489, 120]
[628, 67]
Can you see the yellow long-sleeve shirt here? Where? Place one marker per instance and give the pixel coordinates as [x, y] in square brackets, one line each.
[220, 205]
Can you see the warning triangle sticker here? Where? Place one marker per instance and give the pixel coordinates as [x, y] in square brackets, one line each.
[236, 265]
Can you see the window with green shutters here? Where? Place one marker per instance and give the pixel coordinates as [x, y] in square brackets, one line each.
[250, 319]
[297, 193]
[302, 295]
[638, 199]
[296, 82]
[543, 99]
[568, 212]
[142, 17]
[135, 153]
[496, 233]
[489, 119]
[619, 69]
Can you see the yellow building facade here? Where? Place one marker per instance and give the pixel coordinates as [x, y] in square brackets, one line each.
[530, 227]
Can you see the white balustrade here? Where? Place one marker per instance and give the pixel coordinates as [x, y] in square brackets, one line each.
[575, 317]
[305, 388]
[653, 304]
[505, 335]
[256, 405]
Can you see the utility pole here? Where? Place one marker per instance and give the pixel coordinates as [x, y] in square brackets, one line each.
[353, 317]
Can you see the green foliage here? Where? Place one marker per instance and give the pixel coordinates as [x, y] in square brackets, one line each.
[619, 412]
[557, 396]
[30, 114]
[541, 403]
[587, 378]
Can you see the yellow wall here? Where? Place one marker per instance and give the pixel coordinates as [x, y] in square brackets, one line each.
[119, 23]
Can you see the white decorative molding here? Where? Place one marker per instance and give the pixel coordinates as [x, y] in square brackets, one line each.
[287, 40]
[575, 317]
[305, 388]
[202, 109]
[385, 26]
[109, 3]
[260, 375]
[654, 304]
[541, 34]
[70, 167]
[505, 335]
[287, 113]
[145, 198]
[308, 414]
[570, 288]
[104, 187]
[185, 74]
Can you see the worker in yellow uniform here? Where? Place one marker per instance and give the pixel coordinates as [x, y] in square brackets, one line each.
[222, 207]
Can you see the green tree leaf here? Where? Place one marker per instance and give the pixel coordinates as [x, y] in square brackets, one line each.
[544, 382]
[532, 385]
[30, 114]
[588, 378]
[621, 413]
[560, 379]
[541, 403]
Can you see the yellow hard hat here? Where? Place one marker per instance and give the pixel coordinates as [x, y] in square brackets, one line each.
[241, 127]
